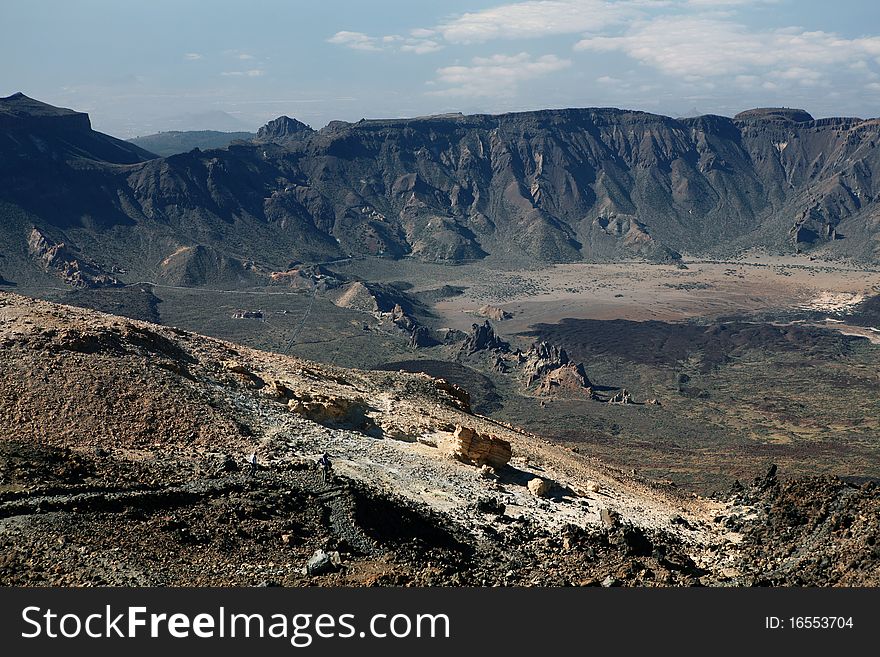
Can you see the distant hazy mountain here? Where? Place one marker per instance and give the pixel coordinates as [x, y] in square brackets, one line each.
[210, 120]
[553, 185]
[174, 142]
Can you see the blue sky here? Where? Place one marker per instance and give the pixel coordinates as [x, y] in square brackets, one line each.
[140, 67]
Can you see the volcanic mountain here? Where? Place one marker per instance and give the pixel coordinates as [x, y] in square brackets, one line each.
[551, 186]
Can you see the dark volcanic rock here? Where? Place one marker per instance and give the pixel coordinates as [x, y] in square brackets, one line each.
[554, 185]
[283, 128]
[775, 114]
[815, 531]
[483, 338]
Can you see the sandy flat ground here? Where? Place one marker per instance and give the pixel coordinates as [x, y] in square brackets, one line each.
[641, 291]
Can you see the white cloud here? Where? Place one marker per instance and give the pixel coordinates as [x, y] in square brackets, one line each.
[536, 18]
[498, 75]
[528, 19]
[252, 73]
[417, 43]
[193, 56]
[244, 55]
[696, 49]
[421, 46]
[727, 3]
[357, 41]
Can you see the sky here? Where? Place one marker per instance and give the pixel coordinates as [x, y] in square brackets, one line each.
[139, 67]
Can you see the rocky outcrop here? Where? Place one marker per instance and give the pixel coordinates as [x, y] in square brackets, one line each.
[483, 338]
[468, 446]
[542, 359]
[460, 397]
[333, 411]
[283, 128]
[569, 380]
[622, 397]
[421, 337]
[74, 271]
[278, 391]
[550, 368]
[357, 296]
[494, 313]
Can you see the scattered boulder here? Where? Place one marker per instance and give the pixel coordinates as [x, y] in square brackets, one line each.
[468, 446]
[539, 487]
[633, 540]
[238, 368]
[593, 486]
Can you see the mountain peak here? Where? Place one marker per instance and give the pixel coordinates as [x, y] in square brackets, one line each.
[20, 106]
[775, 114]
[62, 134]
[283, 127]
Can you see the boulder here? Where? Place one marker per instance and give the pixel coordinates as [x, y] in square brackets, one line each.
[336, 411]
[539, 487]
[593, 486]
[488, 472]
[494, 313]
[609, 518]
[322, 562]
[468, 446]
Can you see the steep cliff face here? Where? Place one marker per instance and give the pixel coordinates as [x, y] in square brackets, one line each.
[555, 185]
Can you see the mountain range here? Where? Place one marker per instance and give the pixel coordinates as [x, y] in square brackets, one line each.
[173, 142]
[544, 186]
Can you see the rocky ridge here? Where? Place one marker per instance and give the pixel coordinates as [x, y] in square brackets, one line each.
[546, 186]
